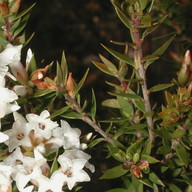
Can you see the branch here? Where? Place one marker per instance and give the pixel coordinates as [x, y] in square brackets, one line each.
[138, 55]
[87, 119]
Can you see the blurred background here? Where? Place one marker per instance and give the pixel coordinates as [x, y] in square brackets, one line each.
[79, 26]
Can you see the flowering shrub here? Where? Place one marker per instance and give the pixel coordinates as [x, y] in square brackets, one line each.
[40, 151]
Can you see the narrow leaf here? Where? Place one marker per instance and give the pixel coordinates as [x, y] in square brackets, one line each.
[59, 74]
[155, 179]
[81, 83]
[114, 172]
[135, 147]
[160, 87]
[64, 67]
[125, 20]
[174, 188]
[182, 155]
[113, 103]
[120, 56]
[93, 106]
[150, 159]
[102, 67]
[109, 64]
[59, 112]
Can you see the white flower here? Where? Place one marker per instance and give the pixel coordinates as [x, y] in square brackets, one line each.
[28, 189]
[78, 154]
[19, 134]
[42, 125]
[70, 173]
[5, 177]
[7, 101]
[28, 58]
[69, 136]
[3, 137]
[28, 170]
[10, 55]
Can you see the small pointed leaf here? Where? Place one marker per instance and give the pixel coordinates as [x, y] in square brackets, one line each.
[160, 87]
[114, 172]
[120, 56]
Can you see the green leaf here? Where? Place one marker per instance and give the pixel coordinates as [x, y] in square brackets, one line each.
[114, 172]
[150, 159]
[182, 155]
[59, 112]
[102, 67]
[54, 165]
[127, 95]
[155, 179]
[81, 82]
[108, 64]
[178, 133]
[32, 65]
[160, 50]
[174, 188]
[120, 56]
[22, 25]
[95, 142]
[117, 190]
[140, 105]
[126, 106]
[135, 147]
[42, 92]
[137, 126]
[149, 58]
[143, 4]
[146, 182]
[71, 115]
[117, 153]
[113, 103]
[147, 148]
[93, 106]
[164, 150]
[59, 74]
[21, 14]
[163, 47]
[64, 67]
[125, 20]
[160, 87]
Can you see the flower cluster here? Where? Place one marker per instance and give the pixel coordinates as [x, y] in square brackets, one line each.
[34, 139]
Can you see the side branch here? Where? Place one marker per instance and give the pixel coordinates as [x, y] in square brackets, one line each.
[87, 119]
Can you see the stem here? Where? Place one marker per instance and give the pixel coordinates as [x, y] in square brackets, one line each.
[138, 55]
[87, 119]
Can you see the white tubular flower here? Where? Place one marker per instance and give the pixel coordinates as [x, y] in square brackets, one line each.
[41, 124]
[28, 189]
[5, 177]
[78, 154]
[69, 136]
[70, 173]
[7, 101]
[28, 58]
[28, 170]
[19, 134]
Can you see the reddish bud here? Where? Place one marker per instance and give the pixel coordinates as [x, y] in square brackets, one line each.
[3, 9]
[136, 171]
[70, 85]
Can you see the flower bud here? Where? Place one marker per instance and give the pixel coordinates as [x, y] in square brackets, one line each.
[144, 166]
[129, 156]
[136, 171]
[183, 75]
[70, 85]
[3, 9]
